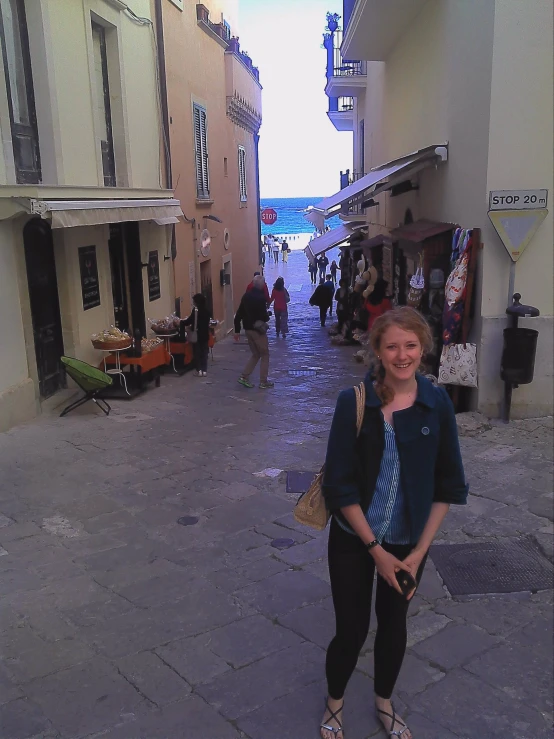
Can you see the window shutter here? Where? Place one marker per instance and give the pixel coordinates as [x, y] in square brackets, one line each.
[201, 152]
[242, 175]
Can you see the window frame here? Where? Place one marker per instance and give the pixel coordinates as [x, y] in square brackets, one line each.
[201, 153]
[243, 189]
[107, 151]
[24, 175]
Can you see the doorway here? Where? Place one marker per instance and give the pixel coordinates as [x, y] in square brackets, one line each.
[206, 284]
[45, 305]
[126, 269]
[228, 297]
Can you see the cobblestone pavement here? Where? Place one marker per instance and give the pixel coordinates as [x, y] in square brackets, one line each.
[118, 622]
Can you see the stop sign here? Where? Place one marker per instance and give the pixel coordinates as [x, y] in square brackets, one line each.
[269, 216]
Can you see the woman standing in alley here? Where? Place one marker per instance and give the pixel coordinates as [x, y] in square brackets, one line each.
[198, 325]
[388, 491]
[333, 270]
[280, 298]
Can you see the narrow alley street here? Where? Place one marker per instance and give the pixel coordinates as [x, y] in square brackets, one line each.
[156, 586]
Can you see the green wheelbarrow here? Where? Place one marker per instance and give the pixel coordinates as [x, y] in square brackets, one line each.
[91, 381]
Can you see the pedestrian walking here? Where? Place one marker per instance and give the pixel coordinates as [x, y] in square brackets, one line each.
[280, 298]
[333, 270]
[263, 254]
[285, 249]
[331, 288]
[250, 286]
[197, 326]
[312, 269]
[253, 316]
[322, 263]
[276, 249]
[322, 298]
[388, 492]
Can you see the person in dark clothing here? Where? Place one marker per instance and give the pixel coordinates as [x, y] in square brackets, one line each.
[331, 287]
[266, 290]
[333, 270]
[253, 316]
[323, 298]
[342, 300]
[312, 269]
[322, 263]
[199, 323]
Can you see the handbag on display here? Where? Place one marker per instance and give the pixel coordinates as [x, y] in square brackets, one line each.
[458, 365]
[310, 510]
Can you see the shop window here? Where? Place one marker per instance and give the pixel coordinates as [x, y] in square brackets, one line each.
[201, 153]
[242, 175]
[19, 85]
[102, 107]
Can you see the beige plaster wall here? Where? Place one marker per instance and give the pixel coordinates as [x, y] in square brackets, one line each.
[60, 30]
[520, 157]
[210, 89]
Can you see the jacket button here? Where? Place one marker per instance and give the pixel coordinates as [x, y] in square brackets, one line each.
[425, 431]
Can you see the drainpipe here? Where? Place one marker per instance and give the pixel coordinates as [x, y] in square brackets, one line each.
[258, 199]
[160, 45]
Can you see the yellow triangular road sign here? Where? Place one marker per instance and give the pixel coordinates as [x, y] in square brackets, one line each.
[516, 228]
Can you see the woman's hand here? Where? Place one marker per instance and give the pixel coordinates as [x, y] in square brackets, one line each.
[387, 566]
[413, 560]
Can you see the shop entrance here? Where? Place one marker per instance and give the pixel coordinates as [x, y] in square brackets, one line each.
[206, 284]
[45, 305]
[228, 298]
[126, 269]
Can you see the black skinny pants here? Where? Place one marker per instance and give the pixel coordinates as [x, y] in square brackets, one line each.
[352, 568]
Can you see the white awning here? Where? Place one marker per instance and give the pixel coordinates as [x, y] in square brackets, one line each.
[330, 239]
[392, 172]
[71, 213]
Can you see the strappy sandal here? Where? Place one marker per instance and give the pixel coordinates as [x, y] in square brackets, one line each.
[332, 717]
[394, 721]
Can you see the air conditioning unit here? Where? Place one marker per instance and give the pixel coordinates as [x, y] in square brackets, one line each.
[224, 278]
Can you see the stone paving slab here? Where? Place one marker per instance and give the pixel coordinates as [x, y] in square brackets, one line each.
[116, 622]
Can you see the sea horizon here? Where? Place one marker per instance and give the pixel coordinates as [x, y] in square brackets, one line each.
[290, 216]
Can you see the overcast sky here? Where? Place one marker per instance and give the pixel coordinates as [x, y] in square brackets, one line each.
[301, 153]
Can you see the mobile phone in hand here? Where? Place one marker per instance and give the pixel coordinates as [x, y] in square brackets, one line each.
[406, 581]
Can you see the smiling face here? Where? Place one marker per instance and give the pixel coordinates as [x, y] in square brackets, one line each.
[400, 353]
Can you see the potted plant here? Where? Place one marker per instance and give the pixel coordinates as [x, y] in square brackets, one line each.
[332, 21]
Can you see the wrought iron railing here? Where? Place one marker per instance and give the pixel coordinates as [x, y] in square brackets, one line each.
[338, 66]
[345, 103]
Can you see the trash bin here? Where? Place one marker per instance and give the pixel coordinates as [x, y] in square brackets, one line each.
[518, 355]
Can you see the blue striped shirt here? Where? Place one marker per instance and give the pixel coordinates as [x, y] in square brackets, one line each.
[387, 513]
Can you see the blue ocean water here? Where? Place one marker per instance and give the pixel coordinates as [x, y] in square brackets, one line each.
[290, 215]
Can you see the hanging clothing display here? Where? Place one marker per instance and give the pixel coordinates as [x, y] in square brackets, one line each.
[455, 290]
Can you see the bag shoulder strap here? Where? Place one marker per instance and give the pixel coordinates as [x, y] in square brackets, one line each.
[360, 406]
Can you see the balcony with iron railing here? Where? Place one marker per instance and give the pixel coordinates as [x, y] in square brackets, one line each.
[345, 77]
[341, 113]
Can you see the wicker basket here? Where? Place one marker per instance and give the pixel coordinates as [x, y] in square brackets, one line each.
[112, 345]
[165, 331]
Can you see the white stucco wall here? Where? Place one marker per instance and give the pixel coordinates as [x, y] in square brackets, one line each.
[520, 157]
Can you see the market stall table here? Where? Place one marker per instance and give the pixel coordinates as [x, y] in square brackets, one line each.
[168, 346]
[149, 361]
[113, 356]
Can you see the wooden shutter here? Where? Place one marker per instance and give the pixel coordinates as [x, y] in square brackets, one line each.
[201, 153]
[242, 175]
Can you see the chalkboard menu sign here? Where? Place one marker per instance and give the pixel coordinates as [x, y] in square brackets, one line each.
[154, 290]
[90, 287]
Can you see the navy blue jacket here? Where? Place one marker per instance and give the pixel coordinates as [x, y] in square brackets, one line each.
[427, 439]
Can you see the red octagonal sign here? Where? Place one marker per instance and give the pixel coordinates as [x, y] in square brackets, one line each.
[269, 216]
